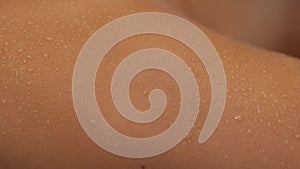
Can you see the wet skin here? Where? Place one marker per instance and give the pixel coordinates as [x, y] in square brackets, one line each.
[39, 44]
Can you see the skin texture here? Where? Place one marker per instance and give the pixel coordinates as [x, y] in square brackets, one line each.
[39, 44]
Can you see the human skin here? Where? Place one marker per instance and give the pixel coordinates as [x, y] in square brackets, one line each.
[40, 42]
[273, 25]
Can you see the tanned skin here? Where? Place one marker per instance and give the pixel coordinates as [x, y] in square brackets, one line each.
[39, 44]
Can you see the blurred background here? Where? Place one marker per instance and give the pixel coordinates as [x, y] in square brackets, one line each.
[270, 24]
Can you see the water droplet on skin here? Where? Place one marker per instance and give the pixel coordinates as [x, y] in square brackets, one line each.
[29, 57]
[30, 69]
[297, 136]
[292, 148]
[3, 132]
[284, 96]
[144, 93]
[11, 56]
[2, 29]
[238, 118]
[16, 72]
[48, 38]
[4, 101]
[20, 50]
[45, 55]
[28, 83]
[286, 141]
[264, 150]
[279, 121]
[93, 121]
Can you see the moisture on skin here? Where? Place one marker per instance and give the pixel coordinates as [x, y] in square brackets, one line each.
[39, 45]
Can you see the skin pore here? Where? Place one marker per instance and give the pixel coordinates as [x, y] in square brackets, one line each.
[39, 44]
